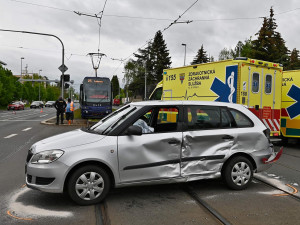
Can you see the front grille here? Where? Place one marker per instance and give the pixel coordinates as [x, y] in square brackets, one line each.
[29, 155]
[29, 178]
[44, 180]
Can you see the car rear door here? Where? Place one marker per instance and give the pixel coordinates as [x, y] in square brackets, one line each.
[156, 153]
[207, 139]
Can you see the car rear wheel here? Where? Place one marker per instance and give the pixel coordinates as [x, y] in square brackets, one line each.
[88, 185]
[238, 173]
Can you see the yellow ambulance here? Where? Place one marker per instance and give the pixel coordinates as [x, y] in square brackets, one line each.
[290, 107]
[250, 82]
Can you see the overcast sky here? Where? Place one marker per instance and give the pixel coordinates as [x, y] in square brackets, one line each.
[126, 26]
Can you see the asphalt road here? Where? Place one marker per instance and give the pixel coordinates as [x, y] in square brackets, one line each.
[20, 205]
[162, 204]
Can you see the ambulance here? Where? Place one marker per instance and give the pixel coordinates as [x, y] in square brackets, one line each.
[250, 82]
[290, 107]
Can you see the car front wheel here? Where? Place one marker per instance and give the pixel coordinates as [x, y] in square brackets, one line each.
[88, 185]
[238, 173]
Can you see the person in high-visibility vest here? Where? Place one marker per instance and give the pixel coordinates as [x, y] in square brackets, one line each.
[70, 111]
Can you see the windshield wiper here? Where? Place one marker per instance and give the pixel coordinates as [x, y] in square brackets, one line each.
[121, 118]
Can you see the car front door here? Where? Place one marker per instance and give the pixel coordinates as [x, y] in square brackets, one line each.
[156, 153]
[207, 139]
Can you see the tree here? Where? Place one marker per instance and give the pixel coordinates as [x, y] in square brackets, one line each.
[269, 45]
[115, 85]
[150, 62]
[294, 62]
[160, 55]
[201, 57]
[226, 54]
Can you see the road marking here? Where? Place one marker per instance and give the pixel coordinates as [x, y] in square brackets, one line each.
[26, 129]
[44, 115]
[9, 136]
[286, 194]
[19, 218]
[12, 120]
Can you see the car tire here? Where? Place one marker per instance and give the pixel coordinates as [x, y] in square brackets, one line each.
[88, 180]
[238, 173]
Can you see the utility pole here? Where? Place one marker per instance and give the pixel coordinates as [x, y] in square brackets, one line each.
[184, 53]
[40, 85]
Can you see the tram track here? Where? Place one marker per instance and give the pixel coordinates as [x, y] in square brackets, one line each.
[192, 193]
[280, 189]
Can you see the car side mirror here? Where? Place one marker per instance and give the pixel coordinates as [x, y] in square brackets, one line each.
[134, 130]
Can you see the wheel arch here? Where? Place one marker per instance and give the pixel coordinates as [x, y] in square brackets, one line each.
[249, 157]
[89, 163]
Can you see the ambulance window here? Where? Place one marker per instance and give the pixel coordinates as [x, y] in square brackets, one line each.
[156, 94]
[255, 82]
[268, 84]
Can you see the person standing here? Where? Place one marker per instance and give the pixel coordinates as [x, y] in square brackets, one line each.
[70, 111]
[60, 106]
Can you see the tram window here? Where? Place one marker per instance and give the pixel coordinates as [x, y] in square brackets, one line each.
[268, 84]
[255, 82]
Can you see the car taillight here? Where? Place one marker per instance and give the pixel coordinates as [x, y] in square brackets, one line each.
[267, 132]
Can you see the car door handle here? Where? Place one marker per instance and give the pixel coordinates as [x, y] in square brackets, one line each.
[172, 142]
[227, 137]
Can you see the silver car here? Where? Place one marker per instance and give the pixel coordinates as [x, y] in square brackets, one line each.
[152, 142]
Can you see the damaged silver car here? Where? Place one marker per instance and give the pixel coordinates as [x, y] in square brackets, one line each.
[153, 143]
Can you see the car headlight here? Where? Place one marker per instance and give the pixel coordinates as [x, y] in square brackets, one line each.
[46, 156]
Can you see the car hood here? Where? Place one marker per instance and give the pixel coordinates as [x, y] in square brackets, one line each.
[66, 140]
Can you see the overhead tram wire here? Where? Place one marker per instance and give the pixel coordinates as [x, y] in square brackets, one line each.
[149, 18]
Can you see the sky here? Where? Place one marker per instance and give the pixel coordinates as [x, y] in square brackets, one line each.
[126, 26]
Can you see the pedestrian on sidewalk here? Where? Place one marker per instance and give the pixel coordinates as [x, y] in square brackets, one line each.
[70, 111]
[60, 106]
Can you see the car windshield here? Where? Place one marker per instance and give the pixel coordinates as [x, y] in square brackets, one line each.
[109, 122]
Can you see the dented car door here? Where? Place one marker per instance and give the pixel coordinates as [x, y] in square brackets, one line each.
[206, 140]
[156, 153]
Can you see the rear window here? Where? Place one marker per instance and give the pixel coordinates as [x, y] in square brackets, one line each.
[268, 84]
[241, 119]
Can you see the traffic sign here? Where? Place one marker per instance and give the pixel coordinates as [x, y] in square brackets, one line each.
[63, 68]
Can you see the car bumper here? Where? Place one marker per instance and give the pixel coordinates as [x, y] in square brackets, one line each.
[46, 177]
[264, 162]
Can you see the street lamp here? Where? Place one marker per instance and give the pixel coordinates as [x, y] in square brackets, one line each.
[184, 53]
[21, 65]
[40, 85]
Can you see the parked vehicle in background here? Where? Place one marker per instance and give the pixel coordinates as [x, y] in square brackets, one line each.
[37, 104]
[50, 104]
[116, 102]
[290, 107]
[250, 82]
[16, 106]
[141, 144]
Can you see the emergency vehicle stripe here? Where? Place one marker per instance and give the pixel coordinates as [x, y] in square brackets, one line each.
[277, 124]
[265, 122]
[272, 125]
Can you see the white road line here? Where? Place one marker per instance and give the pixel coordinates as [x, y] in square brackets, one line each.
[12, 120]
[26, 129]
[44, 115]
[9, 136]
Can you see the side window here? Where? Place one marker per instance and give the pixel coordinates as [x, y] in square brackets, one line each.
[268, 84]
[240, 119]
[227, 119]
[255, 82]
[159, 120]
[202, 117]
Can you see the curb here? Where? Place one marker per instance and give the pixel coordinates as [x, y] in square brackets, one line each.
[77, 123]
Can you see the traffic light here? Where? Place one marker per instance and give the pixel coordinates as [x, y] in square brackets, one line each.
[66, 77]
[67, 85]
